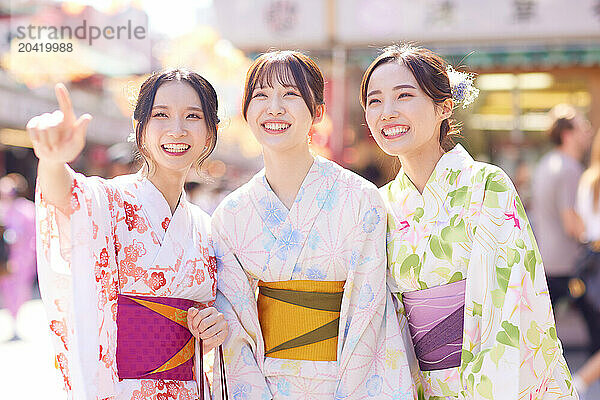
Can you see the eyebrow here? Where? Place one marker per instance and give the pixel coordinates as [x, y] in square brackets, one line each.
[188, 108]
[397, 87]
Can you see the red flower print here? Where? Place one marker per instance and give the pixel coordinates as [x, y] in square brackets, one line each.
[61, 363]
[60, 329]
[137, 395]
[160, 384]
[162, 396]
[173, 388]
[157, 280]
[113, 291]
[133, 220]
[75, 202]
[199, 276]
[148, 388]
[95, 229]
[165, 223]
[103, 258]
[113, 309]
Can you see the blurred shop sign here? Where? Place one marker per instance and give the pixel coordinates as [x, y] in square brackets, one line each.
[272, 23]
[17, 106]
[260, 24]
[362, 22]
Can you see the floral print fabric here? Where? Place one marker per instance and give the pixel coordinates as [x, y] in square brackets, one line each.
[117, 237]
[469, 223]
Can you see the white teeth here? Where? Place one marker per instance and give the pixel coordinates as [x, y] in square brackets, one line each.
[176, 148]
[276, 126]
[396, 130]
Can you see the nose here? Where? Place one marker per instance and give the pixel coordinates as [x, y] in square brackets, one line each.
[275, 107]
[388, 112]
[178, 129]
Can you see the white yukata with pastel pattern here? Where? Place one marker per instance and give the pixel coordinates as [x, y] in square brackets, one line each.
[334, 231]
[470, 223]
[117, 237]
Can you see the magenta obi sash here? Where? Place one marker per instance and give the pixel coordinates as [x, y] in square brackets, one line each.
[153, 340]
[436, 322]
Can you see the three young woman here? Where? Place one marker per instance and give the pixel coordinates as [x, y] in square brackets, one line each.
[122, 260]
[310, 236]
[464, 263]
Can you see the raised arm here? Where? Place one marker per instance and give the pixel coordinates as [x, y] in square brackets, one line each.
[58, 138]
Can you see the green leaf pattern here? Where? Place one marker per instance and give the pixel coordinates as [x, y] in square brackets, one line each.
[460, 228]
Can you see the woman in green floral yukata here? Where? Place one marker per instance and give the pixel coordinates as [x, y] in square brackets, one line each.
[463, 261]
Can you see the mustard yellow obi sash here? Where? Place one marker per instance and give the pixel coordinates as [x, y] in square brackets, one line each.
[299, 319]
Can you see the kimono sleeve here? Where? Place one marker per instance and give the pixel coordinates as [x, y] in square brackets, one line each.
[243, 350]
[510, 350]
[77, 276]
[373, 360]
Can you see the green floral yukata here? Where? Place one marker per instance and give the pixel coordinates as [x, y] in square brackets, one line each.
[469, 223]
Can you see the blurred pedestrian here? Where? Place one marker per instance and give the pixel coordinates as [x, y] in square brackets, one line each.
[557, 226]
[17, 215]
[588, 269]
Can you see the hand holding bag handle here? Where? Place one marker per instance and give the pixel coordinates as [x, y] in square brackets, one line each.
[223, 378]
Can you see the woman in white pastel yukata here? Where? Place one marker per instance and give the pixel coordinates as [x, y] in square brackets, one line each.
[464, 264]
[122, 260]
[311, 236]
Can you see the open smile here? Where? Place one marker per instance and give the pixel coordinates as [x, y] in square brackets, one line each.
[394, 131]
[275, 128]
[176, 149]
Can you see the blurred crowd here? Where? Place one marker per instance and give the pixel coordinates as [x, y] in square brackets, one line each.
[565, 209]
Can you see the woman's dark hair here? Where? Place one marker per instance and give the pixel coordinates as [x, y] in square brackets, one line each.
[145, 102]
[290, 68]
[429, 70]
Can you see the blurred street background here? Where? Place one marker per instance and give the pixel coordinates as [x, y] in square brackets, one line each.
[529, 56]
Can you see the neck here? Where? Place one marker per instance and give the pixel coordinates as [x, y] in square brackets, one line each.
[571, 150]
[419, 164]
[285, 172]
[170, 184]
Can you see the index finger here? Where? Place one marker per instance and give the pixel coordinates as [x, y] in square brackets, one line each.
[64, 102]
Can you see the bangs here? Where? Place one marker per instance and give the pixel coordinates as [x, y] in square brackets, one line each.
[277, 71]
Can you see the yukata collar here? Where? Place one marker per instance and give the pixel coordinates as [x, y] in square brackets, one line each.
[452, 161]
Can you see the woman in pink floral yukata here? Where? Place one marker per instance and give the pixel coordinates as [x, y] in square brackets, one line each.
[121, 261]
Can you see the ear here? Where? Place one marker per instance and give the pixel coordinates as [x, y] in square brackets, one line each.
[319, 114]
[446, 108]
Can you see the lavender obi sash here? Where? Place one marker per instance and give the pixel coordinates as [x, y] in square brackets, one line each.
[436, 319]
[153, 340]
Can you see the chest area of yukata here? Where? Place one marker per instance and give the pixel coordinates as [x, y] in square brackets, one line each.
[154, 257]
[320, 248]
[430, 236]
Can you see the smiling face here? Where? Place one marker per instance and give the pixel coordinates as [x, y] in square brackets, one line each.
[401, 117]
[176, 133]
[279, 117]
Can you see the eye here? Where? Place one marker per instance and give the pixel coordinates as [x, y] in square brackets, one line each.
[373, 101]
[402, 95]
[292, 93]
[195, 116]
[159, 114]
[259, 94]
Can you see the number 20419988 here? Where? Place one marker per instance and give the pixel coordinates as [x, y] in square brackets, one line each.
[28, 47]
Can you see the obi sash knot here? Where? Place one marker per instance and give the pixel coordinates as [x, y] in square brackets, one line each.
[436, 323]
[300, 319]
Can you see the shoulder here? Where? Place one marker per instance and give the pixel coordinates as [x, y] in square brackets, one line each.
[234, 200]
[492, 177]
[348, 177]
